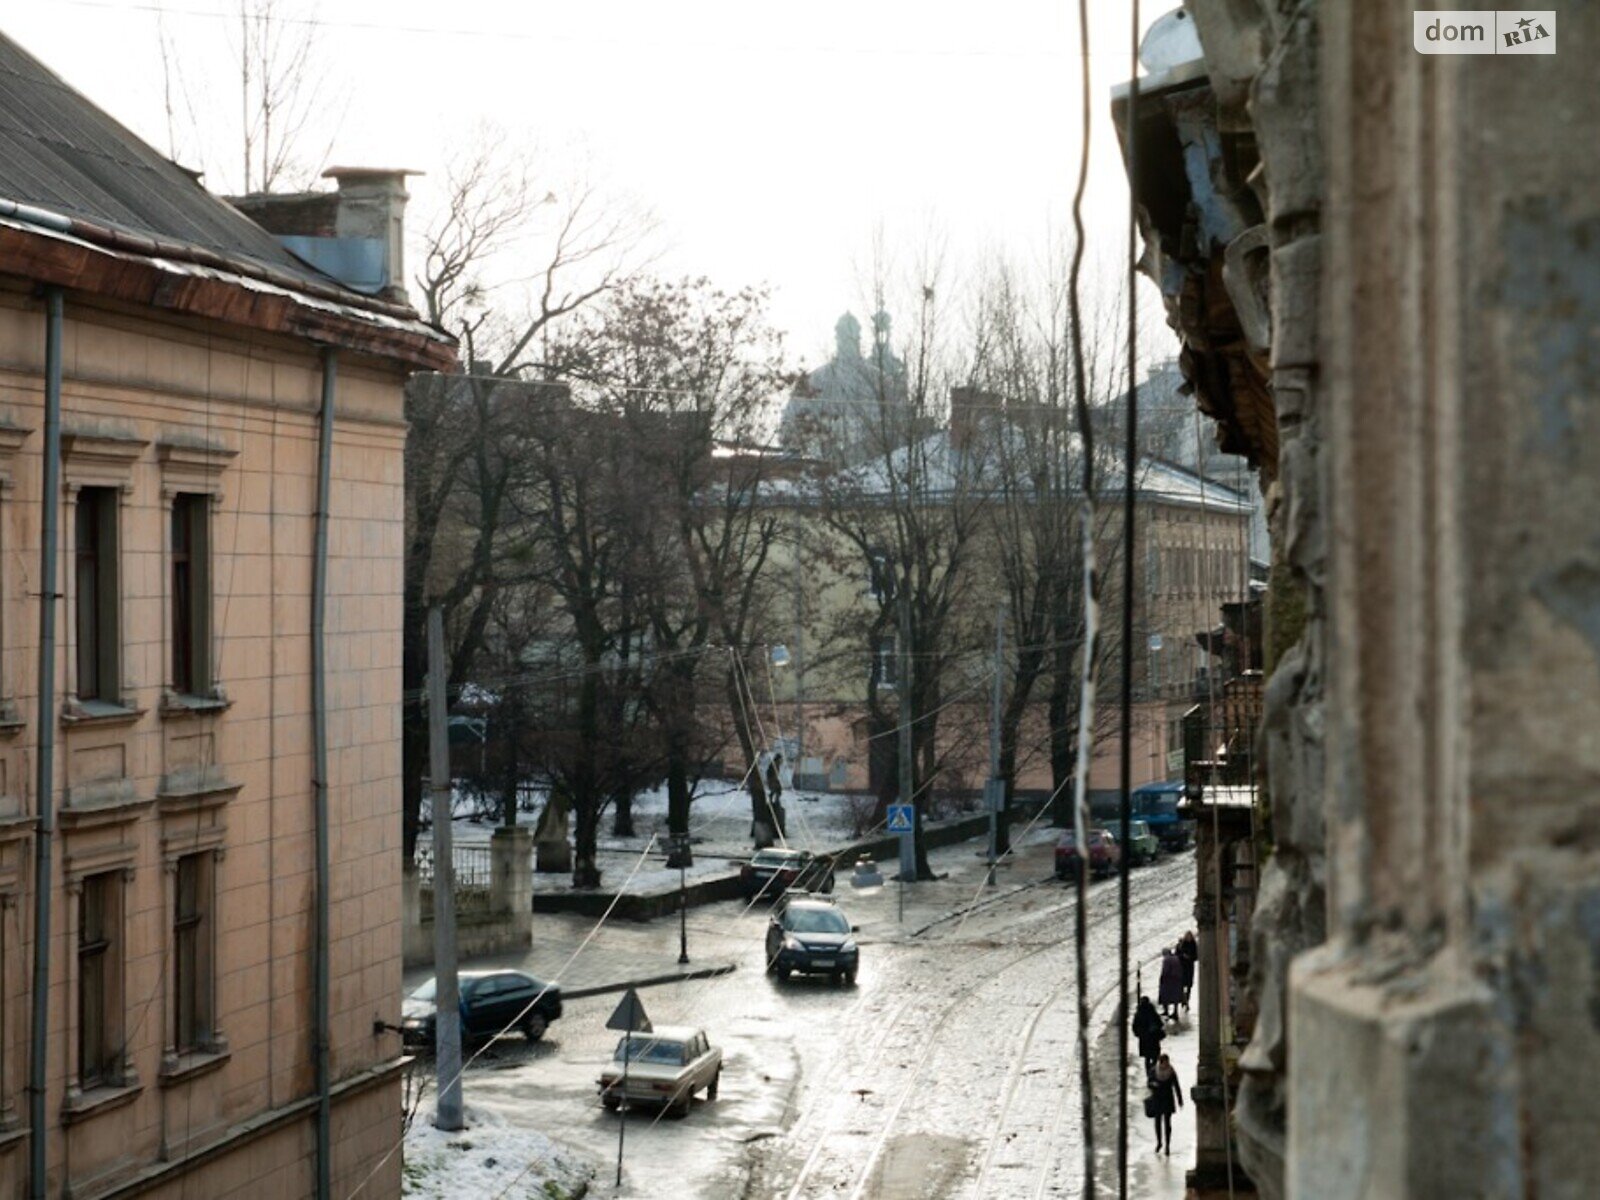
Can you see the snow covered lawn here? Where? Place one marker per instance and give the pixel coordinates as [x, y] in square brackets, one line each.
[490, 1158]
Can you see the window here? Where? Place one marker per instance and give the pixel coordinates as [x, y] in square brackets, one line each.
[191, 595]
[97, 595]
[100, 980]
[886, 663]
[880, 575]
[191, 953]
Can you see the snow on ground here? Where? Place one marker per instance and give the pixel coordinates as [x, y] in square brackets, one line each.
[491, 1157]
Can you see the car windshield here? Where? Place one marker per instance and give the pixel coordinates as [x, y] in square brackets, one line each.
[425, 992]
[774, 858]
[1137, 829]
[650, 1050]
[815, 920]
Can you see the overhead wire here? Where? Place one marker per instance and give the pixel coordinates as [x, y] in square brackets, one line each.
[1129, 535]
[1091, 598]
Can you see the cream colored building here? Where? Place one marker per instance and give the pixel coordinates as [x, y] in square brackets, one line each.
[196, 359]
[1194, 548]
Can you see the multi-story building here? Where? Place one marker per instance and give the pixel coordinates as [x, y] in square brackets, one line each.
[1194, 555]
[199, 792]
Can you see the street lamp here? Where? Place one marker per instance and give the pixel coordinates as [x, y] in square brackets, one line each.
[682, 848]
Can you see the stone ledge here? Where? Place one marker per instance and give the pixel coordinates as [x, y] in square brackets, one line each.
[1395, 1082]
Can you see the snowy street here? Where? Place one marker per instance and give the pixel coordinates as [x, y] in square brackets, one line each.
[950, 1070]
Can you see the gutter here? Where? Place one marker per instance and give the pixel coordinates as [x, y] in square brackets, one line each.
[45, 757]
[319, 783]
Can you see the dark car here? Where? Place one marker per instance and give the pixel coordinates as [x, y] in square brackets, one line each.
[492, 1002]
[812, 937]
[1156, 804]
[773, 871]
[1104, 854]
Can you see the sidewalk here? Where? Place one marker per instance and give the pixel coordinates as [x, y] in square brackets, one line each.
[1159, 1177]
[627, 956]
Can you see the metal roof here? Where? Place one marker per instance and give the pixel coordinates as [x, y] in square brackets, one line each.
[61, 153]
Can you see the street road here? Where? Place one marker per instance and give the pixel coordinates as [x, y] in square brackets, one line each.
[949, 1070]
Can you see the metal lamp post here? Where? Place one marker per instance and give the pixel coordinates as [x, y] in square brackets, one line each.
[683, 899]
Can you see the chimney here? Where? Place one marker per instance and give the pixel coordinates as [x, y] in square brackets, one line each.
[355, 234]
[372, 205]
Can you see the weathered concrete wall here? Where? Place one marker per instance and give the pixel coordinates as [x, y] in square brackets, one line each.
[1427, 949]
[1461, 305]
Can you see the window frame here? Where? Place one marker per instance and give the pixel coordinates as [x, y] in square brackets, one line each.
[190, 596]
[103, 893]
[97, 605]
[193, 967]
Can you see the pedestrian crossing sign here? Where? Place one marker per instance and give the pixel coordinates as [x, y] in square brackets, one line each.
[900, 820]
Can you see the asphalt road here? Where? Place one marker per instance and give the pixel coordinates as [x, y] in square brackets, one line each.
[950, 1070]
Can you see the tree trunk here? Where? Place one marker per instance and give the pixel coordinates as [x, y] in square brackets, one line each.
[585, 783]
[764, 829]
[1063, 742]
[622, 813]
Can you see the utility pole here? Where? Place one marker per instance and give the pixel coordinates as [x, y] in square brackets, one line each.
[446, 987]
[995, 793]
[908, 842]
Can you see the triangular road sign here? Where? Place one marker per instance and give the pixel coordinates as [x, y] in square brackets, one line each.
[630, 1017]
[901, 818]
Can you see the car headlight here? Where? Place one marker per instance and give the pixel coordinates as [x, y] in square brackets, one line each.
[790, 943]
[848, 948]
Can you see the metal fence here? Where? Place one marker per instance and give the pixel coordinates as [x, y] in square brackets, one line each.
[471, 877]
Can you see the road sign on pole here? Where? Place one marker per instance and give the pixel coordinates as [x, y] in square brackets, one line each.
[630, 1018]
[901, 818]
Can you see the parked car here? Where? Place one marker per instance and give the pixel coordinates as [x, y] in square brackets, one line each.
[492, 1002]
[773, 871]
[666, 1066]
[1143, 846]
[1157, 805]
[812, 937]
[1104, 854]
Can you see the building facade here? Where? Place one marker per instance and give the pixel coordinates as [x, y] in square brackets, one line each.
[1381, 263]
[225, 410]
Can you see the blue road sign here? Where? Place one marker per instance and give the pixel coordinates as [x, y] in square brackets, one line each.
[900, 818]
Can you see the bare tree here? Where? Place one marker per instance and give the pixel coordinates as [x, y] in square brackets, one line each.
[908, 516]
[686, 371]
[504, 261]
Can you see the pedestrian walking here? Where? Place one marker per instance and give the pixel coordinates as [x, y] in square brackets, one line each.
[1149, 1029]
[1170, 995]
[1166, 1095]
[1189, 952]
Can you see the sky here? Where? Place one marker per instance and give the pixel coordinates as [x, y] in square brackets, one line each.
[772, 144]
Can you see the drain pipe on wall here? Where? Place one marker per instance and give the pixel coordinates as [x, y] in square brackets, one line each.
[319, 767]
[45, 758]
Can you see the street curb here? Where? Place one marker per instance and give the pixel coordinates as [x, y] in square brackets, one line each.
[601, 989]
[708, 889]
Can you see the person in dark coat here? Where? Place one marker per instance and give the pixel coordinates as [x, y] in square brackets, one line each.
[1166, 1095]
[1171, 993]
[1149, 1029]
[1189, 952]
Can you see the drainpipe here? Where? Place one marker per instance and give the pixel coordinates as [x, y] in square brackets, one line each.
[319, 750]
[45, 758]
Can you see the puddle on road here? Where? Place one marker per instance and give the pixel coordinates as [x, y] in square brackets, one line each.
[920, 1166]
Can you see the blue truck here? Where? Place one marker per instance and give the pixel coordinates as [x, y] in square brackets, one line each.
[1157, 805]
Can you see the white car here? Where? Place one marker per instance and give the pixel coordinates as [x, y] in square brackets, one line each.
[666, 1066]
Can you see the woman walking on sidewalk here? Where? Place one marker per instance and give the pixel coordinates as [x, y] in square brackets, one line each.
[1170, 995]
[1149, 1029]
[1166, 1093]
[1189, 953]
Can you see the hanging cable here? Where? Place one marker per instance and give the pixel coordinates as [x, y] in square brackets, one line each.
[1091, 620]
[1130, 463]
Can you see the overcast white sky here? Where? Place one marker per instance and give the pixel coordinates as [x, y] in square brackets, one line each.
[770, 140]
